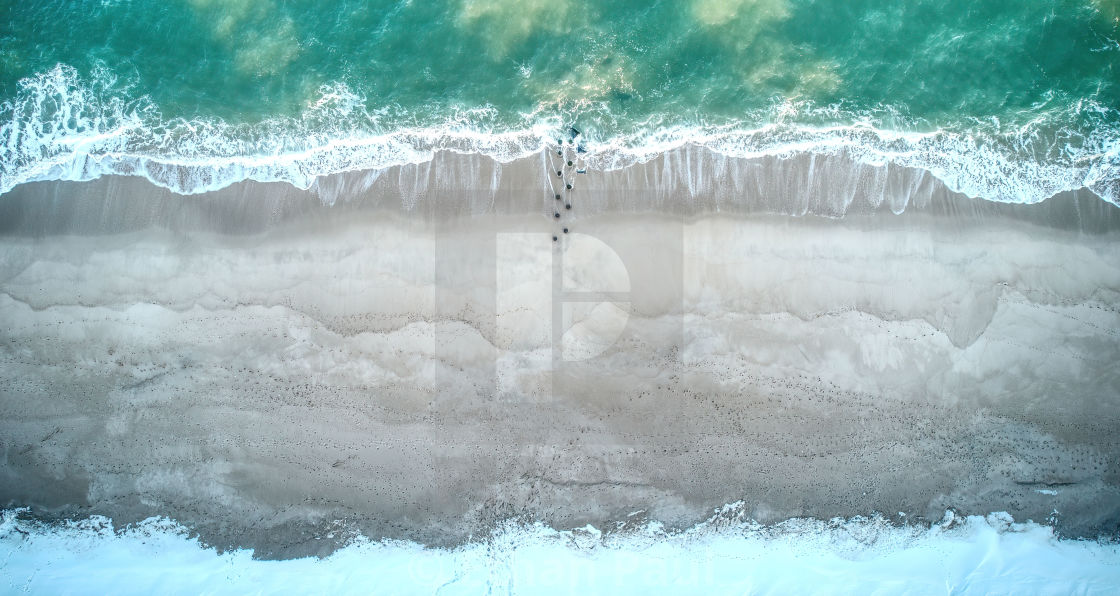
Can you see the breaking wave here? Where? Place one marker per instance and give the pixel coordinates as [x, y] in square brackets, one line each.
[727, 553]
[61, 126]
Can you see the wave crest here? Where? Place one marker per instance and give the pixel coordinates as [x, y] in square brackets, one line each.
[62, 126]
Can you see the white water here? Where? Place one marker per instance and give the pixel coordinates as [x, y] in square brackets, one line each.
[61, 127]
[973, 555]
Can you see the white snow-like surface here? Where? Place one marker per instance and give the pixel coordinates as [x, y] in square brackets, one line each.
[973, 555]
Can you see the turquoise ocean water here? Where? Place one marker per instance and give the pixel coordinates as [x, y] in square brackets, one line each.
[1008, 100]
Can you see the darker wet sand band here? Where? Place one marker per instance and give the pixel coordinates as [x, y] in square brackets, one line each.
[686, 182]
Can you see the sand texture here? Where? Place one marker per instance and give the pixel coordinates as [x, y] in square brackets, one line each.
[409, 354]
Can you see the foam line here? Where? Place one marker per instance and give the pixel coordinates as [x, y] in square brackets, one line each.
[970, 555]
[63, 127]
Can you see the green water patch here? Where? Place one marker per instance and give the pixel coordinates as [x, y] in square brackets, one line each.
[936, 62]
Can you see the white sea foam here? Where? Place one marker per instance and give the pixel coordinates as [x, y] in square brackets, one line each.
[980, 555]
[65, 127]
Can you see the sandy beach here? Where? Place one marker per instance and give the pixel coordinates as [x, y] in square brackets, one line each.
[408, 353]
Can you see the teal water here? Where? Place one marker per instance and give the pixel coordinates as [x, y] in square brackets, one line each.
[1031, 89]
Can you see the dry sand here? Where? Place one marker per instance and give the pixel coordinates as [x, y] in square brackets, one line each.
[267, 369]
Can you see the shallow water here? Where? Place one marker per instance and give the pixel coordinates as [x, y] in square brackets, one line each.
[1008, 101]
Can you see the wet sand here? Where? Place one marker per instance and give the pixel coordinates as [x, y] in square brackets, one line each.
[402, 353]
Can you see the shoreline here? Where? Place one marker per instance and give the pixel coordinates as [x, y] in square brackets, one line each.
[684, 182]
[714, 555]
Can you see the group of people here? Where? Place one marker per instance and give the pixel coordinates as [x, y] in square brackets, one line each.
[569, 153]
